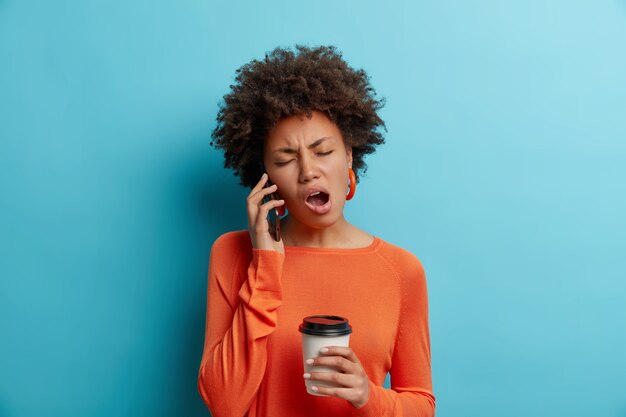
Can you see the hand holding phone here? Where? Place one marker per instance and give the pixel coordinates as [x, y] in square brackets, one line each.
[264, 232]
[272, 216]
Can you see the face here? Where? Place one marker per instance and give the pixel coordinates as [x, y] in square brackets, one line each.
[302, 153]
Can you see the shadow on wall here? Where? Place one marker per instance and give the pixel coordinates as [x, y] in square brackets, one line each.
[213, 201]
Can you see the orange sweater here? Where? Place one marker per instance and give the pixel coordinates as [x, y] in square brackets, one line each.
[252, 361]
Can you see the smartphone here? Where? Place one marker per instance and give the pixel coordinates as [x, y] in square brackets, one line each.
[273, 218]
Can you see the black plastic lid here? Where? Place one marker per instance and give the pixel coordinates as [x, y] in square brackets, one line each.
[325, 326]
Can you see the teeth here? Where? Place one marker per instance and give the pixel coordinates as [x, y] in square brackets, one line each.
[315, 193]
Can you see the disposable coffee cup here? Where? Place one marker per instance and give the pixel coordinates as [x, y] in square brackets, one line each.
[318, 332]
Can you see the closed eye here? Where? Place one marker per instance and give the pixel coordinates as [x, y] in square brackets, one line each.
[319, 153]
[280, 164]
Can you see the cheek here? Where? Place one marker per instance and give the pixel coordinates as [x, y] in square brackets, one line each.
[340, 174]
[287, 193]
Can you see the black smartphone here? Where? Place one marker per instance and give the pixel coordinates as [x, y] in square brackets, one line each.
[272, 218]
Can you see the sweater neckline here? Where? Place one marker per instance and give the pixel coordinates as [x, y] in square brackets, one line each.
[365, 249]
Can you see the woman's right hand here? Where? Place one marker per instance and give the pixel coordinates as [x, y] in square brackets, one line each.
[258, 226]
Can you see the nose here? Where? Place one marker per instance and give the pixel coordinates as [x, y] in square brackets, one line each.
[308, 169]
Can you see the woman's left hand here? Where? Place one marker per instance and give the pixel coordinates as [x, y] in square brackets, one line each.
[353, 381]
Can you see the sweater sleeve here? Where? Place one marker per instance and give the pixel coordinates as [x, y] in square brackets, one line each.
[411, 392]
[235, 348]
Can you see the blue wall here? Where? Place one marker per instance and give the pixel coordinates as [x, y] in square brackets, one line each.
[503, 172]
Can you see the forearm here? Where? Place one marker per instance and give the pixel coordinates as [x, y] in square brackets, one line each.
[389, 403]
[233, 366]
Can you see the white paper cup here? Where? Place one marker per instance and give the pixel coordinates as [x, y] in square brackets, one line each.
[318, 332]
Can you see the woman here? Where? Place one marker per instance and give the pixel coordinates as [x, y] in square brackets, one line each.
[305, 120]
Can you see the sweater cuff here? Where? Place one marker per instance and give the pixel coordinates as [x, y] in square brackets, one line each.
[372, 406]
[268, 265]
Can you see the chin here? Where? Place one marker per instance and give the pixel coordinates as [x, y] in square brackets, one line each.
[316, 221]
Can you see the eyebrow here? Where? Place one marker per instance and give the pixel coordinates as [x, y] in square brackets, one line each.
[311, 146]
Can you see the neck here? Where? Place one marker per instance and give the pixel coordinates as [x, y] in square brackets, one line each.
[295, 233]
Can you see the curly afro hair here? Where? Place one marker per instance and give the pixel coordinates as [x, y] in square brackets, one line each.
[290, 83]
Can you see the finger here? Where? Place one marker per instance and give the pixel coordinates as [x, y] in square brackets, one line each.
[254, 201]
[344, 380]
[260, 184]
[261, 220]
[348, 394]
[262, 191]
[338, 362]
[258, 196]
[344, 351]
[265, 208]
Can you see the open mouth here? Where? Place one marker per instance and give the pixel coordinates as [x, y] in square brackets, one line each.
[319, 202]
[318, 199]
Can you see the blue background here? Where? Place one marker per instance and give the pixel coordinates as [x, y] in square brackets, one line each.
[503, 172]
